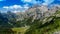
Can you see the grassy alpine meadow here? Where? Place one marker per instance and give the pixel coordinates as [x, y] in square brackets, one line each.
[20, 30]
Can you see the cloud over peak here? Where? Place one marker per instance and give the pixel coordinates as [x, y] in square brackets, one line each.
[12, 7]
[16, 8]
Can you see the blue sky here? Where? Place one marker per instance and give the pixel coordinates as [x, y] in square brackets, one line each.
[19, 4]
[22, 2]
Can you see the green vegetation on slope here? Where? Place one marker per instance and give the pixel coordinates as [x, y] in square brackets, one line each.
[49, 27]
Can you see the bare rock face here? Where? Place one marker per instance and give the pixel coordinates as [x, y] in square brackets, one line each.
[38, 12]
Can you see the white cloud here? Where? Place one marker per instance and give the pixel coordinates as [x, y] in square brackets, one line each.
[6, 7]
[26, 0]
[30, 1]
[13, 7]
[46, 2]
[26, 6]
[16, 8]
